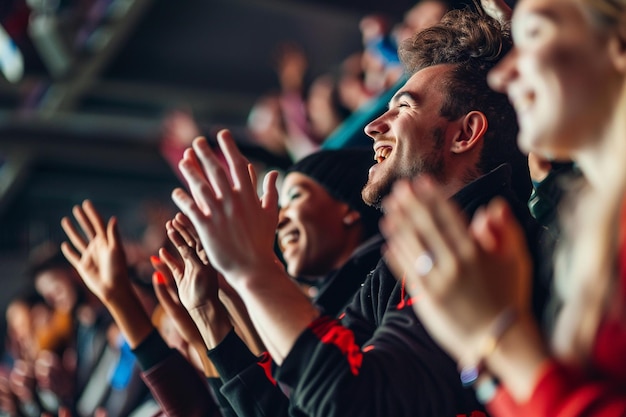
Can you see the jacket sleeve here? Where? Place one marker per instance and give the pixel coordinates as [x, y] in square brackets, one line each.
[175, 384]
[248, 384]
[399, 371]
[561, 392]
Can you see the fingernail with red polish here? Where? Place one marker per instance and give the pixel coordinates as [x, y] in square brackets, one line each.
[158, 278]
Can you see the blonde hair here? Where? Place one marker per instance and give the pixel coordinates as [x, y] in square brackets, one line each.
[608, 14]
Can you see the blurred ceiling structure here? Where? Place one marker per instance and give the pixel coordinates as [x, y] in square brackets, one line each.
[114, 66]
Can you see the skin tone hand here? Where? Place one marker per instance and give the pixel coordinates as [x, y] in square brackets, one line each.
[237, 230]
[479, 270]
[197, 284]
[218, 198]
[197, 265]
[167, 293]
[99, 259]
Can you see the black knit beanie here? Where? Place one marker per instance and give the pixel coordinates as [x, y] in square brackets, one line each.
[343, 173]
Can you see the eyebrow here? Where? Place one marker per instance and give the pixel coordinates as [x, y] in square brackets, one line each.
[542, 12]
[400, 95]
[291, 189]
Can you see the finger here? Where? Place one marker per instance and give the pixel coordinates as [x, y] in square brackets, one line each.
[502, 230]
[405, 243]
[182, 247]
[237, 163]
[72, 257]
[253, 176]
[161, 290]
[175, 268]
[83, 221]
[94, 217]
[427, 211]
[182, 231]
[165, 274]
[75, 237]
[188, 206]
[202, 191]
[449, 219]
[269, 201]
[113, 234]
[413, 282]
[191, 238]
[212, 169]
[185, 222]
[398, 222]
[190, 159]
[483, 232]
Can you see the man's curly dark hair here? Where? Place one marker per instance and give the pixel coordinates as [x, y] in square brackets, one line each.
[474, 43]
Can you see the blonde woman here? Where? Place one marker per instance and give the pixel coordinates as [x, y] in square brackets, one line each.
[566, 78]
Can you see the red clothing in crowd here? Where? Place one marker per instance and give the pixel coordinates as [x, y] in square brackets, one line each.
[566, 392]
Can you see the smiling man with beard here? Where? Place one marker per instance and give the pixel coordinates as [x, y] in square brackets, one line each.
[377, 360]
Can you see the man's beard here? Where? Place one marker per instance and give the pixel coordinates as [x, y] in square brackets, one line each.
[432, 164]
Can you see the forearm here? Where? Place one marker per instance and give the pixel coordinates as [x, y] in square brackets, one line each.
[129, 315]
[240, 319]
[518, 358]
[279, 310]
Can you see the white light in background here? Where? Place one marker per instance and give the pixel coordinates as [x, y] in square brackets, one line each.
[11, 59]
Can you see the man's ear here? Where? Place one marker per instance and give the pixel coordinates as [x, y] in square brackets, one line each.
[351, 217]
[472, 130]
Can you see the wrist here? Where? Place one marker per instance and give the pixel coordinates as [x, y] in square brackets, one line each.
[213, 322]
[248, 279]
[472, 368]
[131, 318]
[519, 357]
[119, 293]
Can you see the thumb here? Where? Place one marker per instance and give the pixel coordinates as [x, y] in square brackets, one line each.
[495, 227]
[113, 233]
[269, 201]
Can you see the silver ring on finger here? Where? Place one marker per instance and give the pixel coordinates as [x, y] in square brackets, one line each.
[424, 263]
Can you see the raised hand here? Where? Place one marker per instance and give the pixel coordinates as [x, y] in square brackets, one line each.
[236, 228]
[462, 276]
[167, 293]
[197, 286]
[98, 255]
[100, 260]
[195, 278]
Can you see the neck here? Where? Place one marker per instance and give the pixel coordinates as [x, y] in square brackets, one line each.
[602, 162]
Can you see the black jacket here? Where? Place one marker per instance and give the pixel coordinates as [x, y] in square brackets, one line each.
[246, 381]
[378, 360]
